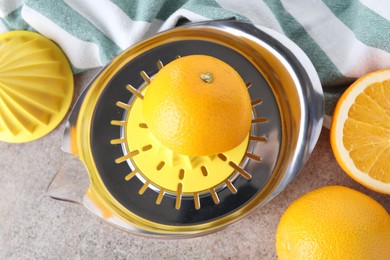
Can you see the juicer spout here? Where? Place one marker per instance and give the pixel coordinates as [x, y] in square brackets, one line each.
[71, 181]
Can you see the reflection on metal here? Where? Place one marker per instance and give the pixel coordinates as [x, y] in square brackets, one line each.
[288, 111]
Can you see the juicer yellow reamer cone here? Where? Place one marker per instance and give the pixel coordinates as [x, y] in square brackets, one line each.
[36, 86]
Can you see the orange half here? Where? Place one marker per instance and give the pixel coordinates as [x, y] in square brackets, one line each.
[360, 131]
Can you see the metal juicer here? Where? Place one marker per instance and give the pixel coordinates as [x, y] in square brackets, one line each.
[116, 168]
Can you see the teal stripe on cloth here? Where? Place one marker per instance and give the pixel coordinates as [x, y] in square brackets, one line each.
[212, 10]
[142, 10]
[331, 78]
[169, 8]
[75, 24]
[13, 21]
[147, 10]
[331, 97]
[369, 27]
[329, 74]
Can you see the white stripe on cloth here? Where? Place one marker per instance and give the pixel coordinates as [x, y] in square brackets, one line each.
[350, 56]
[81, 54]
[256, 11]
[181, 13]
[8, 6]
[380, 7]
[154, 28]
[3, 28]
[111, 21]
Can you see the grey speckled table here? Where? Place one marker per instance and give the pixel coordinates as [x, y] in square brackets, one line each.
[34, 226]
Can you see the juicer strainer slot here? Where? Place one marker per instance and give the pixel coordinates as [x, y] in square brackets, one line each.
[177, 167]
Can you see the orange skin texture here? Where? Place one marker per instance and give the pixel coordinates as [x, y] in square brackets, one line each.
[194, 117]
[334, 222]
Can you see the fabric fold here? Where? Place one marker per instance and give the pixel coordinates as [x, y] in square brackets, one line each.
[343, 39]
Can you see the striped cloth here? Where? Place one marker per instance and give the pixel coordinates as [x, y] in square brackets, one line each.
[344, 39]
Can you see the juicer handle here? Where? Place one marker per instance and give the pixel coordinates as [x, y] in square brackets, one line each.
[71, 181]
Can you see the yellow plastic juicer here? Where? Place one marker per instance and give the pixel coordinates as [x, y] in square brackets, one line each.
[137, 184]
[36, 86]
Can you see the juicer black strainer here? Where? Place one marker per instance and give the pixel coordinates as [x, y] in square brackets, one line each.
[140, 186]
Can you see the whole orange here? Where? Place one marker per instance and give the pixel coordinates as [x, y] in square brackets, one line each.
[198, 105]
[334, 222]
